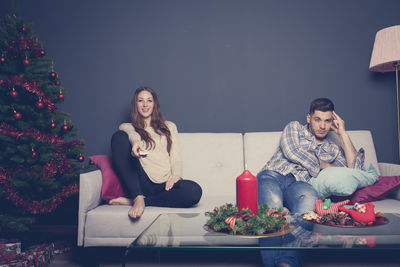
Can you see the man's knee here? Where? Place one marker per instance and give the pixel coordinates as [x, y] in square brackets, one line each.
[269, 191]
[305, 190]
[301, 197]
[268, 174]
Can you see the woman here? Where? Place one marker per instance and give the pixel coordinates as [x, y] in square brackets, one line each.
[146, 157]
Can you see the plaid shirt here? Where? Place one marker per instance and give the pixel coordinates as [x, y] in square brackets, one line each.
[300, 154]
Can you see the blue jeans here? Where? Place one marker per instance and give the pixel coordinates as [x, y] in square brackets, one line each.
[280, 191]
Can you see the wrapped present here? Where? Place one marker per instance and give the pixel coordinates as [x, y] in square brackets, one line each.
[15, 261]
[61, 247]
[38, 256]
[9, 247]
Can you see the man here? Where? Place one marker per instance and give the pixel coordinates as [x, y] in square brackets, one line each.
[303, 152]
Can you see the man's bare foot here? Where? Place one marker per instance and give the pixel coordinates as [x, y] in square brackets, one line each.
[138, 207]
[120, 201]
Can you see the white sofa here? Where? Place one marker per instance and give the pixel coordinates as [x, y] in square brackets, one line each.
[214, 160]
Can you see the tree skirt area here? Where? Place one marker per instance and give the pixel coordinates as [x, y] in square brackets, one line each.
[14, 254]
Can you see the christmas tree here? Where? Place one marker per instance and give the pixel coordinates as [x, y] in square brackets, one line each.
[40, 161]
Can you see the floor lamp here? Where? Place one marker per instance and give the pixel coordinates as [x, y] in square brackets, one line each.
[386, 57]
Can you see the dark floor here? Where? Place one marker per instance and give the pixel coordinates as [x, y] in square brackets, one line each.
[113, 257]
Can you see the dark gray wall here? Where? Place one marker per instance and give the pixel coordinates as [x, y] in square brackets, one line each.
[218, 65]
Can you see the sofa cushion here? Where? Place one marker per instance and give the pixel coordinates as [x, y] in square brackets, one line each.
[259, 148]
[108, 233]
[213, 160]
[341, 181]
[111, 186]
[387, 205]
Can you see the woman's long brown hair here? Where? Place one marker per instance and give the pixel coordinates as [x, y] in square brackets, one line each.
[157, 120]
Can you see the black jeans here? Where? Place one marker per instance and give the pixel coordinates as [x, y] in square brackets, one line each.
[184, 193]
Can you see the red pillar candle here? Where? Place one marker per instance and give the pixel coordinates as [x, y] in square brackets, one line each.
[246, 192]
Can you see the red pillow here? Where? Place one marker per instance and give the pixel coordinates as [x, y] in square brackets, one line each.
[111, 187]
[379, 190]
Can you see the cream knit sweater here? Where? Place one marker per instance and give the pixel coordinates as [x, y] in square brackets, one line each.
[158, 164]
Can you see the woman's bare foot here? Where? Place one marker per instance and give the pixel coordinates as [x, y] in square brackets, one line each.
[120, 201]
[138, 207]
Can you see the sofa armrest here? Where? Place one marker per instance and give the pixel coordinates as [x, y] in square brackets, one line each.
[89, 198]
[390, 169]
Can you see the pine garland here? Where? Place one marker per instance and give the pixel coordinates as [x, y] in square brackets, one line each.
[227, 219]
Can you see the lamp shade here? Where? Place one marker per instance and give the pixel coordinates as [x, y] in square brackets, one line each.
[386, 51]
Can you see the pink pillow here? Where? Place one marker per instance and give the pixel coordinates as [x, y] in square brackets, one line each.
[111, 187]
[376, 191]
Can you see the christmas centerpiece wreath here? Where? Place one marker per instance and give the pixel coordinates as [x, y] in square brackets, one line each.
[228, 220]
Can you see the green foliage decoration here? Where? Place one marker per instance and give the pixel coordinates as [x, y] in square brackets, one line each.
[227, 219]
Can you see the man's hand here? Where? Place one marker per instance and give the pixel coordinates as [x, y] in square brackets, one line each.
[325, 164]
[338, 124]
[348, 147]
[171, 181]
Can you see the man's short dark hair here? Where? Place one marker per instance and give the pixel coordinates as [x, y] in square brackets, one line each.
[321, 104]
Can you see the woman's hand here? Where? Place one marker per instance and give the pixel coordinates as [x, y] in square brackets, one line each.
[137, 145]
[171, 181]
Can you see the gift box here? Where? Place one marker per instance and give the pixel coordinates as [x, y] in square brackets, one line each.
[14, 261]
[9, 247]
[38, 255]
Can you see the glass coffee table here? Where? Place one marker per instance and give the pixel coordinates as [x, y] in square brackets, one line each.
[179, 231]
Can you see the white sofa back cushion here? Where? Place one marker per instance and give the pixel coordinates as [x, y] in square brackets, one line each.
[260, 146]
[213, 160]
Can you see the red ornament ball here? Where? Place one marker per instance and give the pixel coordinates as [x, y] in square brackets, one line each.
[52, 75]
[81, 158]
[61, 96]
[42, 52]
[26, 62]
[33, 154]
[23, 28]
[14, 93]
[17, 115]
[40, 104]
[2, 59]
[58, 83]
[53, 125]
[65, 127]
